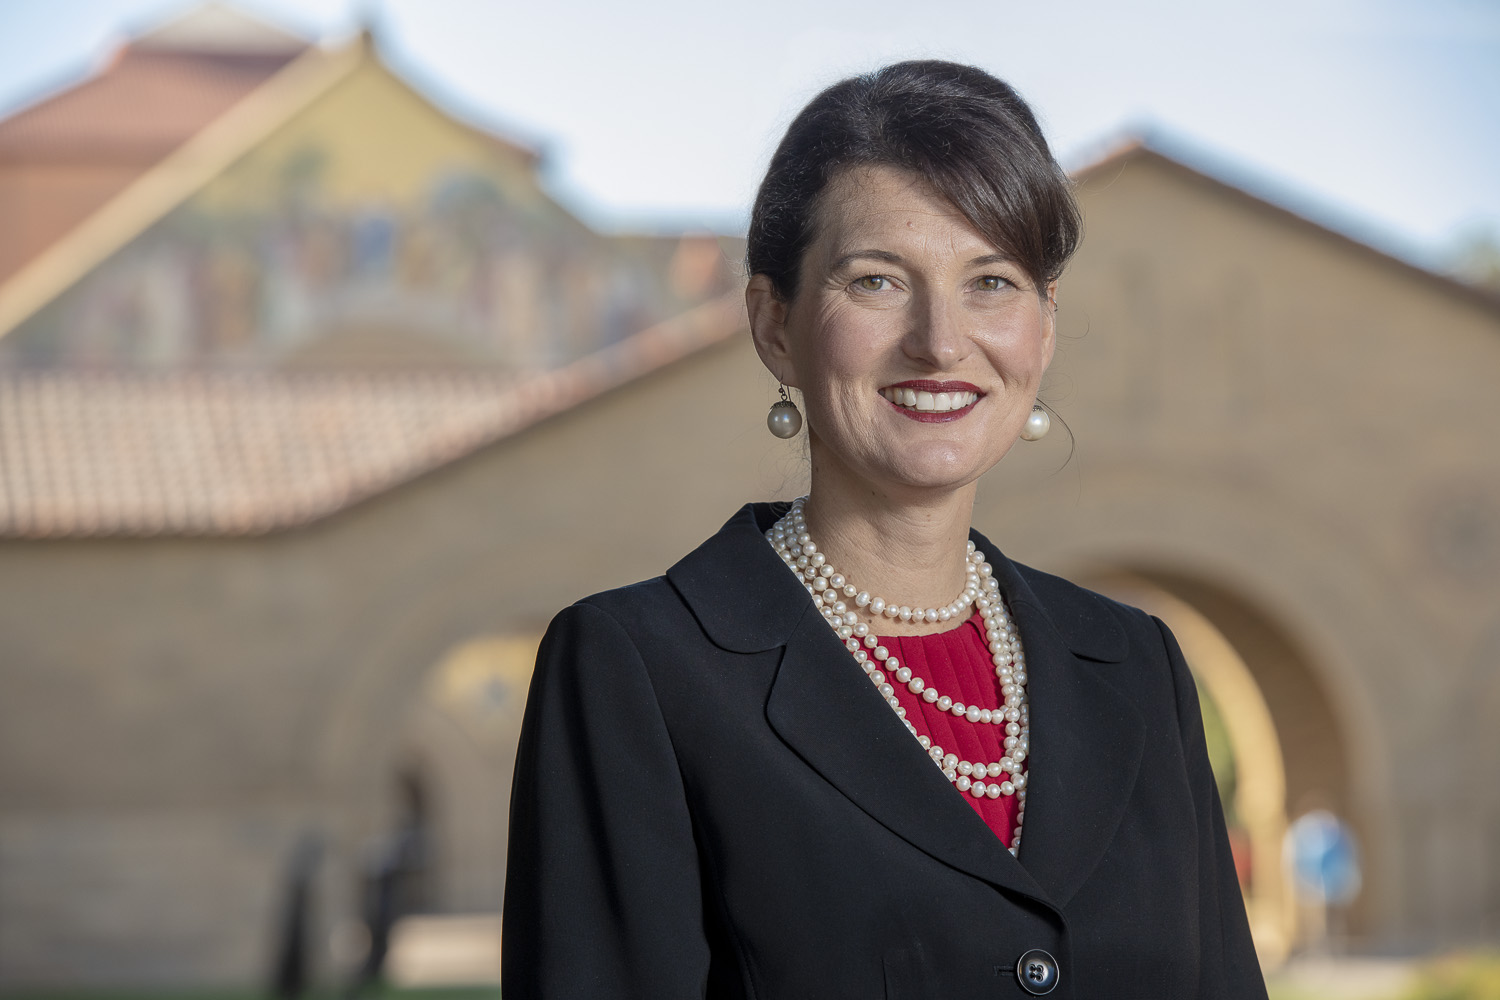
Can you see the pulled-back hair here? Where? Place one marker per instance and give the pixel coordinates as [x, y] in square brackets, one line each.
[965, 133]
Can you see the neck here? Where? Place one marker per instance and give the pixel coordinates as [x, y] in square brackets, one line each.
[905, 546]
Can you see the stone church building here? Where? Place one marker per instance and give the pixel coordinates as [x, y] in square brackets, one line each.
[314, 409]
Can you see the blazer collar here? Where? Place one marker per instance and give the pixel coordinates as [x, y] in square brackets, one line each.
[747, 602]
[1086, 737]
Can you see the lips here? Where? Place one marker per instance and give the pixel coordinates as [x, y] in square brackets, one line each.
[925, 398]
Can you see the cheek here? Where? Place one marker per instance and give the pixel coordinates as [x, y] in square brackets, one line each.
[1020, 350]
[843, 349]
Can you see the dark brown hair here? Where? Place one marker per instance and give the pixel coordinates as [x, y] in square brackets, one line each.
[964, 132]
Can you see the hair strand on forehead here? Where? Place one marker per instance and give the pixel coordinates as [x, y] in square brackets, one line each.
[961, 130]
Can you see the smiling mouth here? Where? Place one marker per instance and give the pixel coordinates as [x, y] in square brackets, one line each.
[922, 399]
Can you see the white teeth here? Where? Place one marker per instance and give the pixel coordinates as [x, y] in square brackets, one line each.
[929, 402]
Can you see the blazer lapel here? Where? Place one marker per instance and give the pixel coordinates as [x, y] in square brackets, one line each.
[826, 710]
[1086, 737]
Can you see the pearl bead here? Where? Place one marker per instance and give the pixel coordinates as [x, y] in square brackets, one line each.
[837, 598]
[1038, 423]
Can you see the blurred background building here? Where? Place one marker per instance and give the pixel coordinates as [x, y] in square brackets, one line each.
[315, 406]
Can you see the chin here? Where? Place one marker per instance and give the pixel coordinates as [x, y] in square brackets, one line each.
[938, 476]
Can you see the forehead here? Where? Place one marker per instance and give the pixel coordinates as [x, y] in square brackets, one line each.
[882, 208]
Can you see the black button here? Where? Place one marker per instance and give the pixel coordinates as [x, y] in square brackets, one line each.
[1037, 972]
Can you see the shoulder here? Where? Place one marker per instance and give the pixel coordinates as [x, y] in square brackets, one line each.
[1094, 626]
[1142, 657]
[624, 617]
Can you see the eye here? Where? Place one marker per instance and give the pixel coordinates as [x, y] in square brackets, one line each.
[993, 283]
[872, 283]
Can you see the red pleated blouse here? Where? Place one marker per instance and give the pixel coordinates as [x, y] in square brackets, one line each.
[957, 662]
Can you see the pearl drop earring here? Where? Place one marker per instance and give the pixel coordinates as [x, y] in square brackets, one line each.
[784, 420]
[1037, 425]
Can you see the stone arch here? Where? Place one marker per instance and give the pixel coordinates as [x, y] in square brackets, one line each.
[378, 719]
[1289, 591]
[1260, 799]
[464, 725]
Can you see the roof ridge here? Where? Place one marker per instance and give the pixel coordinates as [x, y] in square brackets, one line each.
[1151, 144]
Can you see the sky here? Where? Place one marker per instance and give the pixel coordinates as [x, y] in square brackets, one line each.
[1380, 118]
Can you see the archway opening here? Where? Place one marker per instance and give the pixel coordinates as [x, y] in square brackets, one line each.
[1280, 748]
[463, 726]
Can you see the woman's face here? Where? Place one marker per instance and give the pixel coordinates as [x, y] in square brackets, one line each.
[917, 346]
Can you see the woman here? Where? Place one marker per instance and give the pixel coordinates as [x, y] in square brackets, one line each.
[798, 765]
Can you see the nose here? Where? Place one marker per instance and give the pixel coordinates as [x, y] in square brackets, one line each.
[935, 336]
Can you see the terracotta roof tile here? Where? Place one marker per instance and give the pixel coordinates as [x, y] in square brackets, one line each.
[221, 453]
[144, 105]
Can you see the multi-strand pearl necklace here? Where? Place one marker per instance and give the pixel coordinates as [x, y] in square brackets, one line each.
[836, 599]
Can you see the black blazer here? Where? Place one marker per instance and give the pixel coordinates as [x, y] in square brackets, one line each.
[712, 800]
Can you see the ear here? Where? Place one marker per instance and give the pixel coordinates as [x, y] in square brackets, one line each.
[1049, 321]
[768, 316]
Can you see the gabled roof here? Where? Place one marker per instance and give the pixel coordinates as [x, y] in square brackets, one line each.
[86, 454]
[1176, 159]
[216, 27]
[247, 84]
[156, 93]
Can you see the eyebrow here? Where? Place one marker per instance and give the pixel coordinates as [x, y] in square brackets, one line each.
[887, 257]
[884, 256]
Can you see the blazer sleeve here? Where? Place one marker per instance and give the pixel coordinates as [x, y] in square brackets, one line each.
[602, 890]
[1230, 969]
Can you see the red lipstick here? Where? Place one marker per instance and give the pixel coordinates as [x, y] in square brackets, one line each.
[924, 385]
[928, 385]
